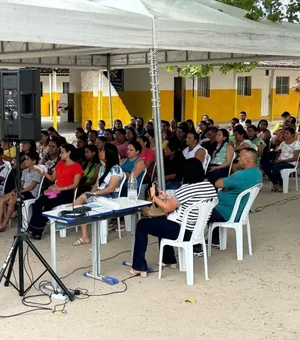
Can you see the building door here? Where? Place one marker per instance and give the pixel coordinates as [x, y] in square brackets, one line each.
[178, 98]
[265, 97]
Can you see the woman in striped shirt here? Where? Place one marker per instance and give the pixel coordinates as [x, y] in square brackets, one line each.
[194, 189]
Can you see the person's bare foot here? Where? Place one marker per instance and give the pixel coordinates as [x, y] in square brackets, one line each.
[81, 241]
[134, 272]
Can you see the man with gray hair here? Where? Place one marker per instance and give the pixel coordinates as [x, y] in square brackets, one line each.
[247, 176]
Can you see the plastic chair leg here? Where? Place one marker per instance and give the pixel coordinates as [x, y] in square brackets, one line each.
[249, 238]
[210, 230]
[205, 260]
[223, 238]
[189, 260]
[63, 233]
[160, 260]
[119, 227]
[285, 181]
[296, 178]
[239, 243]
[181, 257]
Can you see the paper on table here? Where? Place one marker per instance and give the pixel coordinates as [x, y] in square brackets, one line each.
[106, 202]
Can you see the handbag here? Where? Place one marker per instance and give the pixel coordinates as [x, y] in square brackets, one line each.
[155, 211]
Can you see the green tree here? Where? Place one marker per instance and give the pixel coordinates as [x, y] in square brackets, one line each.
[273, 10]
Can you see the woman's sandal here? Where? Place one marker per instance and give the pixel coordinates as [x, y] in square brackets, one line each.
[138, 273]
[80, 242]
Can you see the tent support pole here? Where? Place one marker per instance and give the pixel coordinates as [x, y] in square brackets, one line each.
[109, 92]
[156, 113]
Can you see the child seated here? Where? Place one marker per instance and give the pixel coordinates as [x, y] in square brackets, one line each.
[30, 183]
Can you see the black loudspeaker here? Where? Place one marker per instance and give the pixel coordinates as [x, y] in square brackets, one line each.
[20, 112]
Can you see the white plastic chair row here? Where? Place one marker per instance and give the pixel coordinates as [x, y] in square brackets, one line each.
[185, 248]
[237, 226]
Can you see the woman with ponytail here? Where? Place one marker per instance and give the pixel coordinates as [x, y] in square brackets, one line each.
[221, 158]
[108, 184]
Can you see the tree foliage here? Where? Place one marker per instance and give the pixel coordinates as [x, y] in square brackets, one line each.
[273, 10]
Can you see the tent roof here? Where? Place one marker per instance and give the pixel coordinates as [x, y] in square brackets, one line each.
[96, 27]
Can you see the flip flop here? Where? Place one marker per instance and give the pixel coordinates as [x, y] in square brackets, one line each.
[3, 229]
[80, 242]
[138, 273]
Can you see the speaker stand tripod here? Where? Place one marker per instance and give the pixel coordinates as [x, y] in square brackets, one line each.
[18, 247]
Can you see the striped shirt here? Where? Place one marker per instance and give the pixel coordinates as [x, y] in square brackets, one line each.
[187, 195]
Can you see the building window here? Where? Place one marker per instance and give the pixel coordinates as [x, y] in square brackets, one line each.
[41, 89]
[282, 85]
[244, 86]
[204, 87]
[66, 87]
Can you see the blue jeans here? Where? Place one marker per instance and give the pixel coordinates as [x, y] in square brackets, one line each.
[216, 217]
[215, 175]
[272, 170]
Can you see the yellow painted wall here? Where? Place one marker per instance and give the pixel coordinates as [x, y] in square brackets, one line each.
[250, 104]
[138, 103]
[45, 104]
[77, 107]
[89, 107]
[284, 102]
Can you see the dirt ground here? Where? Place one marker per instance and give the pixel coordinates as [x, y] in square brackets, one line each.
[257, 298]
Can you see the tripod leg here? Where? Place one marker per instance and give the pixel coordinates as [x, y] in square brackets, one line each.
[50, 270]
[12, 262]
[12, 251]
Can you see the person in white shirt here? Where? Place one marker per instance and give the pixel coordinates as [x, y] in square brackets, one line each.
[243, 116]
[194, 150]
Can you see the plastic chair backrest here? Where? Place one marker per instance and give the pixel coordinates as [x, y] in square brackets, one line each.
[153, 171]
[144, 171]
[8, 164]
[122, 183]
[208, 159]
[6, 179]
[297, 162]
[253, 192]
[233, 158]
[204, 208]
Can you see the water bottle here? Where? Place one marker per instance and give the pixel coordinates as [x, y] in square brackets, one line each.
[132, 189]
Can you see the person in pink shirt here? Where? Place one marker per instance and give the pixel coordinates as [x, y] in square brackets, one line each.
[147, 154]
[120, 142]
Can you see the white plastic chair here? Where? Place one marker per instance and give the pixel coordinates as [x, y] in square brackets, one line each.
[27, 204]
[185, 248]
[237, 226]
[153, 171]
[208, 159]
[231, 163]
[285, 174]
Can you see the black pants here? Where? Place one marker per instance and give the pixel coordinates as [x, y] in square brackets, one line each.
[43, 203]
[217, 174]
[160, 227]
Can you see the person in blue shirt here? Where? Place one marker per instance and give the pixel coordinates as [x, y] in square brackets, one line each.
[247, 176]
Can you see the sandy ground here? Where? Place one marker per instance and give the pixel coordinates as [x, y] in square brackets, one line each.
[257, 298]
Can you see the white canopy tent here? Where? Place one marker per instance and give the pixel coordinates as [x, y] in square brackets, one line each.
[143, 25]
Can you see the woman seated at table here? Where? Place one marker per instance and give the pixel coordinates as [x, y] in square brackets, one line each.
[132, 164]
[91, 168]
[107, 185]
[67, 175]
[286, 158]
[174, 164]
[194, 188]
[221, 158]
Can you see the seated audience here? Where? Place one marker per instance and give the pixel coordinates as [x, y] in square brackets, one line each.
[100, 143]
[286, 158]
[204, 129]
[132, 164]
[149, 126]
[131, 135]
[4, 170]
[289, 122]
[53, 156]
[194, 189]
[221, 158]
[92, 136]
[173, 126]
[150, 135]
[190, 125]
[117, 125]
[147, 155]
[242, 120]
[87, 127]
[42, 147]
[139, 126]
[25, 148]
[54, 133]
[132, 123]
[256, 140]
[108, 135]
[280, 125]
[107, 185]
[205, 118]
[210, 123]
[248, 122]
[30, 182]
[233, 123]
[211, 144]
[174, 164]
[66, 176]
[194, 150]
[101, 126]
[181, 133]
[120, 142]
[248, 176]
[263, 131]
[91, 168]
[165, 131]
